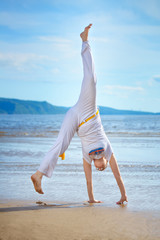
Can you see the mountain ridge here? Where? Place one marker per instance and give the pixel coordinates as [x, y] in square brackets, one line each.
[17, 106]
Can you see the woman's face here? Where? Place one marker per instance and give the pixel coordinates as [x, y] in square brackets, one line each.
[100, 164]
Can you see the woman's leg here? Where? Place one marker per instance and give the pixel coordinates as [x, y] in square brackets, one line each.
[87, 98]
[67, 131]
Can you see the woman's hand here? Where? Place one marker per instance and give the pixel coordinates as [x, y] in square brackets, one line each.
[123, 199]
[94, 201]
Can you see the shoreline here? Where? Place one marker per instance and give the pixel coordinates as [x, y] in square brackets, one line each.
[7, 203]
[41, 204]
[77, 221]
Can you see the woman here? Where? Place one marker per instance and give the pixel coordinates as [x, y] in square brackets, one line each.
[84, 119]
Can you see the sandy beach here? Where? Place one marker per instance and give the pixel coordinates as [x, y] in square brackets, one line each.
[77, 221]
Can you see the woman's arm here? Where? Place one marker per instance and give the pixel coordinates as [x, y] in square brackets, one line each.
[88, 173]
[117, 175]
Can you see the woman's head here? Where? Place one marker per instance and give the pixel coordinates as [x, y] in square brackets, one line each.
[98, 156]
[100, 164]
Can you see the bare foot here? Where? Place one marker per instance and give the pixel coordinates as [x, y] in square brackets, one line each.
[36, 179]
[84, 34]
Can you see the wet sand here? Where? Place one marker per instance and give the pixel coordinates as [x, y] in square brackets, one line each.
[75, 221]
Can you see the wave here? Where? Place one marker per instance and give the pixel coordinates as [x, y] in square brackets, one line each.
[134, 134]
[13, 153]
[54, 133]
[29, 134]
[68, 169]
[138, 166]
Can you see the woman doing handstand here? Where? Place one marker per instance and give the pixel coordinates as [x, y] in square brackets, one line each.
[84, 119]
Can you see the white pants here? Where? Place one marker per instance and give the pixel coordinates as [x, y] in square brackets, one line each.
[84, 108]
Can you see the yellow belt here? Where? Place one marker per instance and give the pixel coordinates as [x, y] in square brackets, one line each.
[89, 118]
[63, 155]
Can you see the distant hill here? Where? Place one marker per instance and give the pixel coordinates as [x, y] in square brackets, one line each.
[15, 106]
[112, 111]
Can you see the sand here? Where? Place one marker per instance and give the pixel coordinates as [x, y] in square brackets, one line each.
[75, 221]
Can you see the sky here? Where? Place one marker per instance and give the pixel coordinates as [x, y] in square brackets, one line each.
[40, 51]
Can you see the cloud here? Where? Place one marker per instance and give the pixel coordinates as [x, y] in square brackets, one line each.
[116, 89]
[54, 39]
[99, 39]
[156, 78]
[55, 70]
[23, 61]
[16, 20]
[63, 47]
[119, 87]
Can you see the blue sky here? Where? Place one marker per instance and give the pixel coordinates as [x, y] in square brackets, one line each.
[40, 51]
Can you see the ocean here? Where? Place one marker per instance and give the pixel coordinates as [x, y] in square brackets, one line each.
[24, 140]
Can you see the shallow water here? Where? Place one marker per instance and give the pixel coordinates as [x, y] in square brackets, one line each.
[136, 143]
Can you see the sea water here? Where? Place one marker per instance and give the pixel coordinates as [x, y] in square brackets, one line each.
[25, 139]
